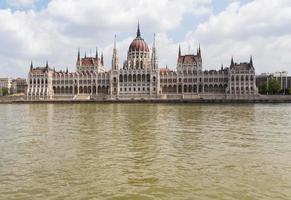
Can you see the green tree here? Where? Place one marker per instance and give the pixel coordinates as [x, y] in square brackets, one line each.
[271, 87]
[263, 88]
[289, 91]
[274, 86]
[4, 91]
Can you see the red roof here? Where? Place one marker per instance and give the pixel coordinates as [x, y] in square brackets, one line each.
[188, 59]
[165, 69]
[138, 44]
[89, 61]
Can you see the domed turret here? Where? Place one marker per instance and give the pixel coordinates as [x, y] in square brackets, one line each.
[138, 55]
[138, 44]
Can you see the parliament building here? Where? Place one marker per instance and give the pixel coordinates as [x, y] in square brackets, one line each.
[140, 77]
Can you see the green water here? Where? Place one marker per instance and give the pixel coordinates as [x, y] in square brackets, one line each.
[145, 151]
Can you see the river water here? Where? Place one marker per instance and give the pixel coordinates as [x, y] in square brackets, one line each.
[145, 151]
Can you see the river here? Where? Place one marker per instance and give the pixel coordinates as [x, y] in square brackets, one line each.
[145, 151]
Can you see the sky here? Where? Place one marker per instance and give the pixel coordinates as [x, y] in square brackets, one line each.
[53, 30]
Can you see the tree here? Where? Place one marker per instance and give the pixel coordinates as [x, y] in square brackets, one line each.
[289, 91]
[4, 91]
[274, 86]
[271, 87]
[263, 89]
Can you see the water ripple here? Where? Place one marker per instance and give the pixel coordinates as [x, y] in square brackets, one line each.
[149, 151]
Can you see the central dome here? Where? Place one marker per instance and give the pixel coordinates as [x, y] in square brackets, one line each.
[138, 44]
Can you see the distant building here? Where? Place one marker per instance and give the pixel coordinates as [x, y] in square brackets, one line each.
[5, 83]
[141, 77]
[19, 85]
[282, 77]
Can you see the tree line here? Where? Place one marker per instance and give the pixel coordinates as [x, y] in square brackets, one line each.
[273, 87]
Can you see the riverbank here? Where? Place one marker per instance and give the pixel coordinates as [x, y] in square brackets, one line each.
[258, 99]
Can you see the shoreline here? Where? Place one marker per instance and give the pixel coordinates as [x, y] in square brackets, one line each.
[268, 100]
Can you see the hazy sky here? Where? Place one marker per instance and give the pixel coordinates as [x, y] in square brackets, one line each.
[41, 30]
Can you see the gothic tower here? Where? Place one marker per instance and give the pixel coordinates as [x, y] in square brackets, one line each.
[154, 58]
[115, 59]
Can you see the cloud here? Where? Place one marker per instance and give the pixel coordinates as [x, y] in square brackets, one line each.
[20, 2]
[56, 31]
[257, 28]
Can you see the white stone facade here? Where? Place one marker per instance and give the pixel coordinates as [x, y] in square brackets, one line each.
[141, 77]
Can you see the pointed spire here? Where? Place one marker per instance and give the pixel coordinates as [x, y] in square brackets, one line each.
[232, 63]
[31, 66]
[96, 56]
[102, 61]
[46, 65]
[199, 50]
[67, 70]
[154, 41]
[115, 60]
[78, 54]
[251, 61]
[114, 41]
[85, 54]
[138, 31]
[154, 58]
[179, 50]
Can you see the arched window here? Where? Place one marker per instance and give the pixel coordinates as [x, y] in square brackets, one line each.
[129, 78]
[134, 78]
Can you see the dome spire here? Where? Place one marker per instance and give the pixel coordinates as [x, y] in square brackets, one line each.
[138, 31]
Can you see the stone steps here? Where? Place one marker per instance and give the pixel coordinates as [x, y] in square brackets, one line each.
[82, 97]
